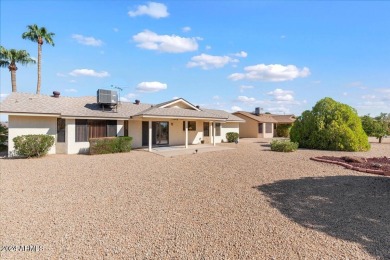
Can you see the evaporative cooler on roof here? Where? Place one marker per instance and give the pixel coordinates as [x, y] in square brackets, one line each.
[107, 97]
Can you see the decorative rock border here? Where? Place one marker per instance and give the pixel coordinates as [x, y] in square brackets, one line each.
[351, 167]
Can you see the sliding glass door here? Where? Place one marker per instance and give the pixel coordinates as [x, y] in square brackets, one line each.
[160, 133]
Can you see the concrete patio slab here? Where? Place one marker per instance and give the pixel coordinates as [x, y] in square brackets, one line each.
[173, 151]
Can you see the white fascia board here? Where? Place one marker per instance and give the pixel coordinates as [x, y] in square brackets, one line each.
[181, 118]
[29, 114]
[95, 118]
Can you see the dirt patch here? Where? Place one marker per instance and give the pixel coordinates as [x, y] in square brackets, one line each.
[375, 165]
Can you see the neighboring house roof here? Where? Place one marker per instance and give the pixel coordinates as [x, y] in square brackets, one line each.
[284, 119]
[262, 118]
[85, 107]
[230, 117]
[268, 118]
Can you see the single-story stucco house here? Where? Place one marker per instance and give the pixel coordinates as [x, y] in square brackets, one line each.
[259, 125]
[73, 120]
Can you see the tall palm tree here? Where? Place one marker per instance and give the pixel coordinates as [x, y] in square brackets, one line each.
[9, 58]
[39, 35]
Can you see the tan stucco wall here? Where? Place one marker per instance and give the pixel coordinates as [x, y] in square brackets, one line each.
[120, 130]
[249, 129]
[226, 128]
[74, 147]
[177, 135]
[135, 131]
[25, 125]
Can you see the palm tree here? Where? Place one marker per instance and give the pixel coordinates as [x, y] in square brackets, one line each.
[9, 58]
[39, 35]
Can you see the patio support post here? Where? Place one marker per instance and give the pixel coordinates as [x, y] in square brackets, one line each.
[150, 135]
[214, 133]
[186, 127]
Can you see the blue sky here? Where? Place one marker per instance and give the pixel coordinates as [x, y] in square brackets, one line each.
[282, 56]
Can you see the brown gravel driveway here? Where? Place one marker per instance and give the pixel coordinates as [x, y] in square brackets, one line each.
[244, 203]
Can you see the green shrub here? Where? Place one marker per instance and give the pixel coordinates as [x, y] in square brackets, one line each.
[283, 130]
[231, 137]
[107, 145]
[33, 145]
[330, 126]
[283, 146]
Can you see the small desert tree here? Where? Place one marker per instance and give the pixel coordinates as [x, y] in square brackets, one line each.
[330, 125]
[378, 126]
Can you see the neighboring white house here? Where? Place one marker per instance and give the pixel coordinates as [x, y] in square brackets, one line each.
[73, 120]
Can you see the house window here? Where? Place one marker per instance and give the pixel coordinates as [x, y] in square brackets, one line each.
[206, 129]
[126, 128]
[217, 129]
[81, 130]
[260, 130]
[60, 130]
[268, 128]
[97, 128]
[191, 125]
[86, 129]
[111, 128]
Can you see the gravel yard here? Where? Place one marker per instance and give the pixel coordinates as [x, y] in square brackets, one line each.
[244, 203]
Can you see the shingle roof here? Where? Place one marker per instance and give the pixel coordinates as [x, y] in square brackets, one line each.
[284, 119]
[177, 112]
[262, 118]
[26, 103]
[65, 106]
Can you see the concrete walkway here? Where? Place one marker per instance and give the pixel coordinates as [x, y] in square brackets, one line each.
[173, 151]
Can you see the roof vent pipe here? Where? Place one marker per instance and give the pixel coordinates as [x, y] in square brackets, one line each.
[257, 111]
[56, 94]
[137, 102]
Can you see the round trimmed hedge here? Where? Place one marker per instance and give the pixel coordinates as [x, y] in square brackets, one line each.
[330, 125]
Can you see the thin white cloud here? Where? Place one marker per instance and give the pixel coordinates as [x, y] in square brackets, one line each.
[152, 86]
[208, 47]
[207, 62]
[186, 29]
[89, 72]
[59, 74]
[87, 40]
[241, 54]
[216, 97]
[152, 9]
[115, 29]
[245, 99]
[72, 81]
[71, 90]
[357, 84]
[378, 101]
[243, 87]
[279, 110]
[272, 72]
[165, 43]
[128, 97]
[236, 108]
[282, 95]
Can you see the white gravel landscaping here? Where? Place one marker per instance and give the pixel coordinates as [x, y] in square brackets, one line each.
[244, 203]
